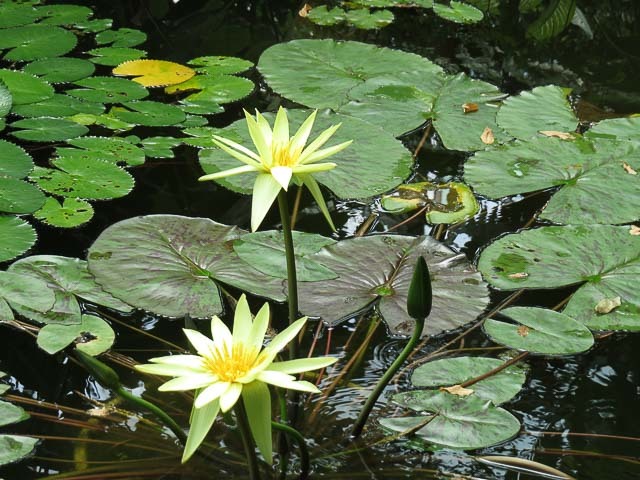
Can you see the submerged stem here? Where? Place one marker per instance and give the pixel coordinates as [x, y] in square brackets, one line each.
[304, 453]
[247, 441]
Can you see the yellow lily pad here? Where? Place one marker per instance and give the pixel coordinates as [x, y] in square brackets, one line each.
[155, 73]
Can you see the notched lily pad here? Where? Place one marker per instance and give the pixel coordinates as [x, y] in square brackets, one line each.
[155, 73]
[25, 88]
[20, 291]
[15, 447]
[111, 149]
[112, 56]
[16, 163]
[93, 336]
[108, 90]
[45, 129]
[61, 70]
[71, 213]
[18, 196]
[32, 42]
[16, 237]
[149, 113]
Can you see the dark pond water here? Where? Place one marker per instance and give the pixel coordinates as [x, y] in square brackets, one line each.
[574, 410]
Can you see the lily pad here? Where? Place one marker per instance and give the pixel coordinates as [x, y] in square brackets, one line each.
[378, 269]
[16, 237]
[603, 259]
[18, 196]
[110, 149]
[160, 147]
[171, 263]
[61, 70]
[5, 101]
[464, 423]
[22, 290]
[71, 213]
[621, 129]
[540, 331]
[214, 88]
[64, 14]
[58, 105]
[458, 12]
[150, 114]
[123, 37]
[73, 177]
[32, 42]
[16, 162]
[25, 88]
[325, 16]
[265, 252]
[46, 129]
[216, 65]
[15, 447]
[584, 171]
[69, 280]
[16, 14]
[155, 73]
[112, 56]
[541, 109]
[92, 336]
[108, 90]
[365, 19]
[378, 161]
[498, 388]
[10, 413]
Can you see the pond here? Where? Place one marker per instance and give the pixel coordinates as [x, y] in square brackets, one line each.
[495, 139]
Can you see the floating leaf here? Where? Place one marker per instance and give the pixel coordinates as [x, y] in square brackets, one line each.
[322, 15]
[20, 290]
[112, 56]
[379, 269]
[160, 147]
[25, 88]
[201, 107]
[31, 42]
[15, 447]
[150, 114]
[71, 213]
[108, 90]
[367, 20]
[553, 20]
[498, 388]
[45, 129]
[547, 332]
[10, 413]
[16, 14]
[621, 129]
[601, 258]
[522, 465]
[543, 108]
[458, 12]
[16, 237]
[214, 88]
[61, 70]
[584, 172]
[171, 263]
[378, 161]
[155, 73]
[73, 177]
[265, 252]
[18, 196]
[111, 149]
[93, 336]
[5, 101]
[465, 423]
[64, 14]
[58, 106]
[16, 162]
[216, 65]
[123, 37]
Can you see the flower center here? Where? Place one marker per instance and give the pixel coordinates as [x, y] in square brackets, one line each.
[234, 364]
[283, 155]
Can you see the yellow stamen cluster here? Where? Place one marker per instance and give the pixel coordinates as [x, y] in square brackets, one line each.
[228, 366]
[283, 155]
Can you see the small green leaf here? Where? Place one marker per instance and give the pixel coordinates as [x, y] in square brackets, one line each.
[113, 56]
[215, 65]
[72, 213]
[322, 15]
[25, 88]
[214, 88]
[107, 90]
[123, 37]
[64, 14]
[16, 237]
[367, 20]
[111, 149]
[10, 413]
[13, 14]
[150, 114]
[16, 162]
[61, 70]
[160, 147]
[31, 42]
[93, 336]
[45, 129]
[15, 447]
[5, 100]
[553, 20]
[58, 106]
[18, 196]
[458, 12]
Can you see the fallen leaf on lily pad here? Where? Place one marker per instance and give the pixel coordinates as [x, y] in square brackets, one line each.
[304, 11]
[487, 136]
[458, 390]
[155, 73]
[469, 107]
[523, 330]
[553, 133]
[634, 230]
[518, 275]
[629, 169]
[607, 305]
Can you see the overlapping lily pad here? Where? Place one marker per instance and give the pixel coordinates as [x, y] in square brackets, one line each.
[214, 88]
[112, 149]
[58, 105]
[379, 269]
[46, 129]
[60, 70]
[10, 413]
[64, 14]
[604, 260]
[217, 65]
[18, 196]
[25, 88]
[112, 56]
[108, 90]
[15, 447]
[155, 73]
[16, 237]
[150, 114]
[92, 336]
[21, 290]
[32, 42]
[72, 212]
[16, 162]
[622, 129]
[5, 103]
[123, 37]
[16, 14]
[458, 12]
[171, 263]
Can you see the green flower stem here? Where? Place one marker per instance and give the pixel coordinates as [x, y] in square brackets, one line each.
[386, 378]
[304, 453]
[292, 280]
[247, 440]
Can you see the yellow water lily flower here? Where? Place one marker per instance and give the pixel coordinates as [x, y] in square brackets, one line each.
[231, 366]
[279, 158]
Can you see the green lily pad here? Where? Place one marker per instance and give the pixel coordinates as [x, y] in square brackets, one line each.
[5, 100]
[464, 423]
[189, 255]
[366, 265]
[160, 147]
[200, 107]
[15, 447]
[540, 331]
[64, 14]
[16, 14]
[123, 37]
[150, 114]
[111, 149]
[458, 12]
[378, 161]
[21, 290]
[621, 129]
[69, 280]
[497, 389]
[25, 88]
[58, 106]
[584, 171]
[16, 162]
[603, 259]
[16, 237]
[73, 177]
[113, 56]
[31, 42]
[365, 19]
[265, 252]
[108, 90]
[92, 336]
[61, 70]
[214, 88]
[325, 16]
[447, 203]
[95, 25]
[541, 109]
[10, 413]
[216, 65]
[192, 120]
[71, 213]
[18, 196]
[46, 129]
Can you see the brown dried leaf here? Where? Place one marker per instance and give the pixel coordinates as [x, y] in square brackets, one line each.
[518, 275]
[607, 305]
[487, 136]
[628, 169]
[304, 11]
[470, 107]
[523, 330]
[458, 390]
[561, 135]
[634, 230]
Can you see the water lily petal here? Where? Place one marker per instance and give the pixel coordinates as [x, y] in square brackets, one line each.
[211, 393]
[202, 344]
[259, 133]
[185, 360]
[283, 380]
[314, 188]
[229, 398]
[282, 339]
[326, 152]
[170, 370]
[302, 135]
[265, 191]
[237, 155]
[257, 402]
[259, 328]
[318, 142]
[201, 422]
[282, 175]
[220, 333]
[242, 321]
[301, 364]
[229, 173]
[237, 146]
[281, 128]
[314, 167]
[188, 382]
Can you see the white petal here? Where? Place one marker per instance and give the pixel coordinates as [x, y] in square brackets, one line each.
[220, 333]
[189, 382]
[281, 128]
[211, 393]
[301, 364]
[237, 155]
[318, 142]
[302, 135]
[257, 401]
[283, 380]
[229, 173]
[265, 191]
[169, 370]
[259, 136]
[201, 422]
[326, 152]
[282, 175]
[313, 168]
[282, 339]
[229, 398]
[238, 147]
[202, 344]
[314, 188]
[185, 360]
[242, 321]
[259, 327]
